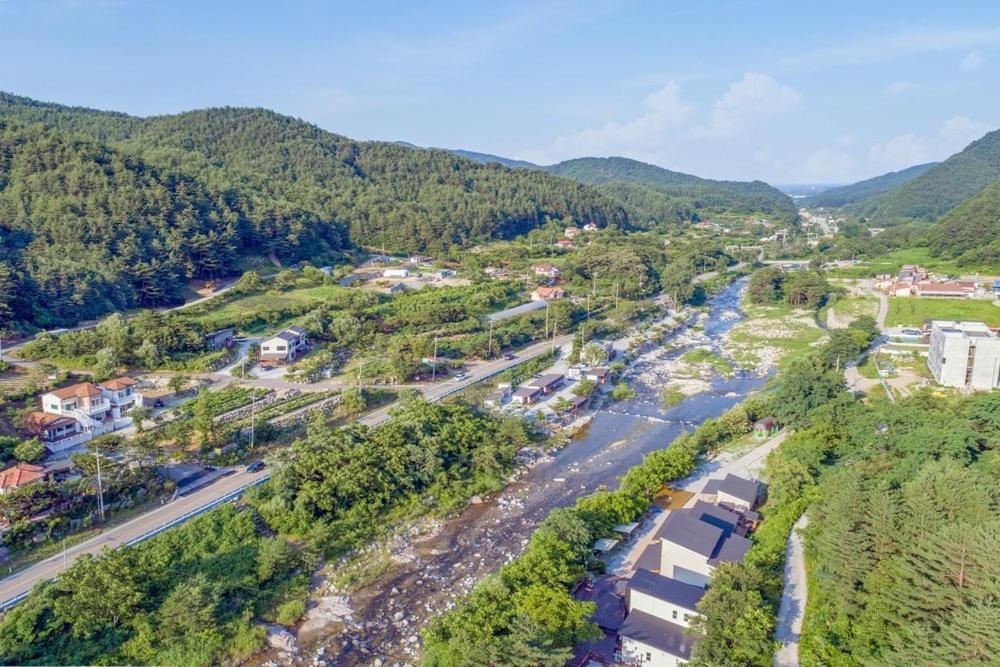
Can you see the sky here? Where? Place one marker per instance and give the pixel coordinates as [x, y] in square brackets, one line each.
[787, 92]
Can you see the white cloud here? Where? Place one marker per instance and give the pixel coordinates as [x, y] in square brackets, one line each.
[847, 139]
[904, 150]
[959, 131]
[749, 100]
[901, 87]
[644, 136]
[974, 60]
[828, 164]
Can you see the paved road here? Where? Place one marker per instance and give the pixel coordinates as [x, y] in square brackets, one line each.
[18, 584]
[793, 599]
[700, 278]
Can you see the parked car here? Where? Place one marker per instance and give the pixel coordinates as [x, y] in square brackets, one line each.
[509, 356]
[256, 466]
[461, 376]
[157, 403]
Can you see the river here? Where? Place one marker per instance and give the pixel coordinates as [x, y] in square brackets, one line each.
[388, 614]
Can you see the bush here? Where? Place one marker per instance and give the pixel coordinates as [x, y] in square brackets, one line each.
[290, 612]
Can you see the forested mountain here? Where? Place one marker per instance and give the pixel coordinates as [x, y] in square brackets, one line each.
[862, 190]
[97, 203]
[940, 188]
[487, 158]
[970, 233]
[653, 189]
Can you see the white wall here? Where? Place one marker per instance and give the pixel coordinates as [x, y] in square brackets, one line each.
[635, 652]
[637, 600]
[732, 500]
[684, 565]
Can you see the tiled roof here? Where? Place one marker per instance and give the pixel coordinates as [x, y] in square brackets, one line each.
[81, 390]
[738, 487]
[118, 383]
[686, 530]
[20, 474]
[36, 422]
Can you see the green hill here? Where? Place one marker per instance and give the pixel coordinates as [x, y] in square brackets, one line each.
[653, 188]
[247, 180]
[970, 233]
[940, 188]
[487, 158]
[863, 190]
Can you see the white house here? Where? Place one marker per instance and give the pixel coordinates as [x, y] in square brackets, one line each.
[964, 354]
[396, 273]
[98, 408]
[284, 347]
[56, 432]
[660, 610]
[696, 541]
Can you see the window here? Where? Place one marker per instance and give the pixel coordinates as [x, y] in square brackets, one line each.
[673, 614]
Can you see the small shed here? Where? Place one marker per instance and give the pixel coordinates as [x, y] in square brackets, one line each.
[765, 428]
[603, 546]
[526, 395]
[217, 340]
[626, 530]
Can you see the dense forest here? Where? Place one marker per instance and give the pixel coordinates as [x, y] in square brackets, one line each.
[664, 189]
[94, 205]
[971, 233]
[866, 189]
[940, 188]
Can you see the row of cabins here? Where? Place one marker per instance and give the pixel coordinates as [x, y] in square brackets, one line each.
[674, 572]
[75, 414]
[915, 281]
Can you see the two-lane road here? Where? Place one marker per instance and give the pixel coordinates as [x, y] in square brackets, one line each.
[14, 587]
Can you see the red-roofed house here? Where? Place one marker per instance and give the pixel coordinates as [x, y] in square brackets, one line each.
[98, 408]
[19, 475]
[548, 294]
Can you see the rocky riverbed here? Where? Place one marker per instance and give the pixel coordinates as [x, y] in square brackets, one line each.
[379, 623]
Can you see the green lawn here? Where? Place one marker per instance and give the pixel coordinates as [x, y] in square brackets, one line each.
[910, 311]
[855, 306]
[892, 262]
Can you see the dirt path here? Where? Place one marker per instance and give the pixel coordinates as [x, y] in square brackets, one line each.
[793, 599]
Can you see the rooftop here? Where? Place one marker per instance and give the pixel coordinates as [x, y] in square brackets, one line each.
[655, 632]
[738, 487]
[118, 383]
[686, 530]
[20, 474]
[81, 390]
[666, 589]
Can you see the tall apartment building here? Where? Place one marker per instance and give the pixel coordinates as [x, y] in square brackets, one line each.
[964, 355]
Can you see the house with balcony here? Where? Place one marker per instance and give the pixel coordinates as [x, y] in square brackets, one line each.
[56, 432]
[99, 408]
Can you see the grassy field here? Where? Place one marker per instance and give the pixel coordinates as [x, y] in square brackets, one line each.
[773, 336]
[848, 308]
[905, 311]
[892, 262]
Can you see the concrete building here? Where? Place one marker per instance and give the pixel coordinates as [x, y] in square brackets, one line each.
[660, 610]
[964, 355]
[692, 547]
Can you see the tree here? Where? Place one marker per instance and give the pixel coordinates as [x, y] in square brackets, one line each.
[736, 624]
[584, 388]
[765, 286]
[29, 451]
[138, 415]
[106, 363]
[177, 383]
[249, 282]
[804, 386]
[149, 354]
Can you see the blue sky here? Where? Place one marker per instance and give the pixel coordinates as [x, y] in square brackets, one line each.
[788, 92]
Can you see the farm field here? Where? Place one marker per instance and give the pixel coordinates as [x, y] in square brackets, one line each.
[905, 311]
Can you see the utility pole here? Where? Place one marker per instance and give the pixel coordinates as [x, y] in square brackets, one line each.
[100, 487]
[253, 414]
[489, 345]
[546, 334]
[434, 366]
[616, 295]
